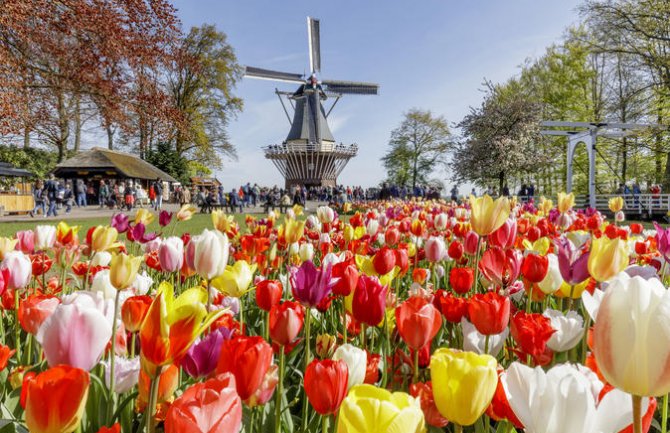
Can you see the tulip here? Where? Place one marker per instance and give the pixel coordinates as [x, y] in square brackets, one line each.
[418, 322]
[501, 267]
[126, 374]
[144, 216]
[306, 252]
[489, 312]
[186, 212]
[553, 279]
[25, 241]
[102, 258]
[534, 267]
[455, 250]
[142, 283]
[347, 278]
[20, 269]
[164, 218]
[531, 332]
[285, 322]
[248, 359]
[293, 230]
[461, 280]
[452, 308]
[123, 270]
[392, 236]
[133, 311]
[572, 264]
[5, 354]
[171, 254]
[608, 257]
[208, 407]
[55, 400]
[662, 241]
[264, 392]
[203, 355]
[569, 329]
[103, 238]
[631, 336]
[326, 385]
[222, 222]
[75, 334]
[435, 249]
[563, 399]
[471, 243]
[440, 221]
[45, 236]
[368, 409]
[35, 309]
[268, 294]
[172, 325]
[565, 202]
[120, 222]
[236, 279]
[168, 380]
[369, 301]
[325, 214]
[7, 245]
[356, 360]
[463, 384]
[487, 215]
[615, 204]
[505, 236]
[309, 284]
[384, 260]
[210, 253]
[473, 341]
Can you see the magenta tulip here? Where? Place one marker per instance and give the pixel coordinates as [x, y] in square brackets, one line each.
[310, 285]
[572, 263]
[120, 222]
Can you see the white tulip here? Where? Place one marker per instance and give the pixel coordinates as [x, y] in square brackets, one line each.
[326, 214]
[142, 283]
[102, 284]
[126, 372]
[306, 252]
[372, 227]
[553, 280]
[592, 302]
[356, 360]
[569, 329]
[473, 341]
[210, 256]
[440, 222]
[45, 236]
[101, 258]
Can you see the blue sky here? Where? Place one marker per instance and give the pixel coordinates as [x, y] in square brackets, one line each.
[425, 54]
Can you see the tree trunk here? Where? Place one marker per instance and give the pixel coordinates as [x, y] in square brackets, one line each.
[110, 136]
[77, 124]
[63, 127]
[501, 182]
[26, 137]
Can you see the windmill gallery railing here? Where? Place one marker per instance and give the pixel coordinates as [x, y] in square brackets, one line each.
[635, 205]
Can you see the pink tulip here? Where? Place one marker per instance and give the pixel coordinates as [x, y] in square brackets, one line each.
[501, 267]
[171, 254]
[75, 334]
[20, 269]
[470, 243]
[505, 236]
[663, 241]
[572, 263]
[435, 249]
[26, 240]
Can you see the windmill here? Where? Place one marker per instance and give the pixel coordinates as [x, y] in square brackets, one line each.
[309, 155]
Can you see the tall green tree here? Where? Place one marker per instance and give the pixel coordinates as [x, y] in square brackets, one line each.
[417, 148]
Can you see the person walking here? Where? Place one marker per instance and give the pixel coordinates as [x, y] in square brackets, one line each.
[103, 193]
[52, 192]
[68, 197]
[39, 195]
[158, 189]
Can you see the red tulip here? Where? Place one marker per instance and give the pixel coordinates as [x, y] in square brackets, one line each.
[248, 359]
[418, 322]
[372, 368]
[54, 401]
[41, 263]
[455, 250]
[452, 308]
[402, 261]
[499, 409]
[501, 267]
[5, 354]
[348, 274]
[209, 407]
[115, 428]
[392, 236]
[461, 279]
[326, 385]
[369, 303]
[489, 312]
[268, 294]
[286, 320]
[424, 391]
[531, 331]
[470, 243]
[34, 310]
[534, 267]
[384, 260]
[133, 311]
[505, 236]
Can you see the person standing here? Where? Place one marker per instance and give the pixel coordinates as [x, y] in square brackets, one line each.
[158, 189]
[81, 193]
[103, 193]
[68, 197]
[52, 192]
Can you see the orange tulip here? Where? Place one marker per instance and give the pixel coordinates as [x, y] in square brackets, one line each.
[5, 353]
[134, 310]
[172, 325]
[54, 401]
[167, 384]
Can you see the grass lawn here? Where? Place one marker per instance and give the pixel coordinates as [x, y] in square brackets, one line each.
[195, 225]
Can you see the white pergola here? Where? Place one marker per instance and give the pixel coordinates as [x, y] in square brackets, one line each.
[588, 133]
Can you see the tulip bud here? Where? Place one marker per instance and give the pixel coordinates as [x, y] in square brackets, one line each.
[103, 238]
[348, 233]
[471, 243]
[435, 249]
[123, 270]
[325, 345]
[45, 236]
[306, 251]
[440, 221]
[619, 216]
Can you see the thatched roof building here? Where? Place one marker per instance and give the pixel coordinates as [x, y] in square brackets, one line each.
[99, 163]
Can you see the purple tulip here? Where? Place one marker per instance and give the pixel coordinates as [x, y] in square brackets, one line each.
[572, 263]
[120, 222]
[663, 241]
[164, 218]
[138, 234]
[202, 357]
[309, 284]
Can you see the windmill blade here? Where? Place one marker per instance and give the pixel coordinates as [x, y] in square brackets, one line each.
[314, 38]
[350, 87]
[267, 74]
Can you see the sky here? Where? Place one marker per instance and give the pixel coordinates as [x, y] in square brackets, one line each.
[426, 54]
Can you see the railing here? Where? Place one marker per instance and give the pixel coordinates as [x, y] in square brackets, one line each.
[311, 147]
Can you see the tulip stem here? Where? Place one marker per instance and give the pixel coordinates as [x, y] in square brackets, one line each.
[280, 390]
[150, 411]
[486, 344]
[664, 414]
[363, 336]
[324, 423]
[458, 428]
[241, 312]
[17, 325]
[530, 299]
[637, 414]
[479, 244]
[344, 322]
[112, 359]
[415, 378]
[305, 403]
[209, 297]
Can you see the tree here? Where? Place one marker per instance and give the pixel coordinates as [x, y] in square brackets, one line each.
[417, 147]
[499, 137]
[167, 159]
[201, 83]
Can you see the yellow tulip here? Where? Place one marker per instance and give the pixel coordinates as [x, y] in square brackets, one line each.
[236, 279]
[608, 257]
[297, 209]
[463, 384]
[66, 234]
[546, 205]
[540, 246]
[144, 216]
[186, 212]
[293, 230]
[346, 208]
[565, 201]
[7, 245]
[104, 238]
[222, 222]
[487, 215]
[348, 233]
[368, 409]
[123, 270]
[565, 290]
[615, 204]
